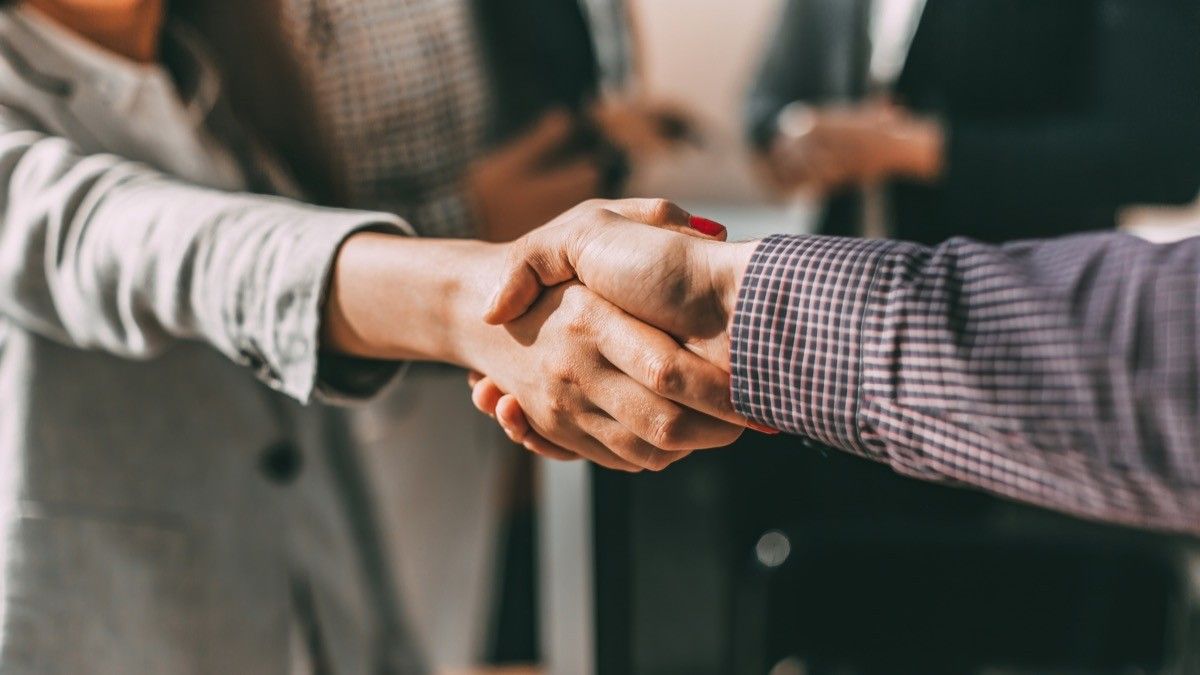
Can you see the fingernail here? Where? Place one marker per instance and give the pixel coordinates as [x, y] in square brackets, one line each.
[705, 226]
[762, 428]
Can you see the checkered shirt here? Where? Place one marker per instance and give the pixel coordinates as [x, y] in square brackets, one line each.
[400, 86]
[1063, 373]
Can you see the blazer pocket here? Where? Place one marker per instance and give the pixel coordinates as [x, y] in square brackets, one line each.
[98, 596]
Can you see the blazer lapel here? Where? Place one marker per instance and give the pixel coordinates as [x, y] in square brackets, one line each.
[82, 102]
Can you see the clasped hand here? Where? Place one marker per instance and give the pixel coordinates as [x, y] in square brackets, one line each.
[636, 303]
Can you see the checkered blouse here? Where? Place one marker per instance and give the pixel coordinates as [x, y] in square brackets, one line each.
[1064, 373]
[403, 91]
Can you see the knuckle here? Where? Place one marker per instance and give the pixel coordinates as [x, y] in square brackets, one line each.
[594, 204]
[660, 211]
[668, 430]
[578, 319]
[658, 460]
[560, 405]
[663, 374]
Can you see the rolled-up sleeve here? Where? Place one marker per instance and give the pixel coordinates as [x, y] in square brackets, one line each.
[102, 253]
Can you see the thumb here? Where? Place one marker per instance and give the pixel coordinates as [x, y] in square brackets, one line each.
[533, 264]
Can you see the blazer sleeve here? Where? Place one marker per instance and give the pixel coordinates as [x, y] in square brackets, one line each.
[98, 252]
[1133, 142]
[1061, 373]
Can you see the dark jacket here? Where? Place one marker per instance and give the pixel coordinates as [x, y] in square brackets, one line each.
[1057, 114]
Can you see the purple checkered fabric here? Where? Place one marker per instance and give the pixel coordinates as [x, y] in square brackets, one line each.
[1063, 373]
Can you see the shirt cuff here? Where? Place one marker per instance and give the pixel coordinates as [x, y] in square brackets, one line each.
[796, 343]
[286, 354]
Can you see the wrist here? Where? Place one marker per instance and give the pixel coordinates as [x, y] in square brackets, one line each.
[395, 297]
[727, 265]
[467, 293]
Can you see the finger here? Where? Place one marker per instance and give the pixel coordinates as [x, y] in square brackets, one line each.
[485, 395]
[616, 437]
[656, 361]
[594, 451]
[574, 439]
[512, 419]
[511, 416]
[657, 423]
[667, 215]
[473, 378]
[540, 446]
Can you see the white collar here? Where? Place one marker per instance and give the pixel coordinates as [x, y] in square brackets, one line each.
[120, 79]
[893, 25]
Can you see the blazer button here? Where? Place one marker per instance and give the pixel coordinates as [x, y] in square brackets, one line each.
[281, 462]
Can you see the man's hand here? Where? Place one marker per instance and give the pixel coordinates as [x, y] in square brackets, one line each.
[667, 275]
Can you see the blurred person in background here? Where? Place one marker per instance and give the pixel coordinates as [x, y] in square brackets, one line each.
[162, 509]
[997, 120]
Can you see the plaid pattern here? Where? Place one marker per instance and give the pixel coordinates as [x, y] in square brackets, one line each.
[401, 87]
[1062, 373]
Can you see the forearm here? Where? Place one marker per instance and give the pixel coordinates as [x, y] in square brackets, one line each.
[404, 298]
[107, 254]
[1059, 373]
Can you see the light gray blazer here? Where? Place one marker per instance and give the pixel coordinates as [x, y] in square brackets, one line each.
[167, 504]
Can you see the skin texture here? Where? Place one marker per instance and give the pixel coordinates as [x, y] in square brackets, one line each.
[130, 28]
[686, 285]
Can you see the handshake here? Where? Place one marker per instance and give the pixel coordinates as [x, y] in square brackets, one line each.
[629, 303]
[602, 335]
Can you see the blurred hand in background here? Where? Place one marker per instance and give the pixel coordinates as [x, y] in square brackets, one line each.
[531, 179]
[822, 149]
[564, 160]
[644, 129]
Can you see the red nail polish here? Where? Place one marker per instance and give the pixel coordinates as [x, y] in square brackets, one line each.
[705, 226]
[762, 428]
